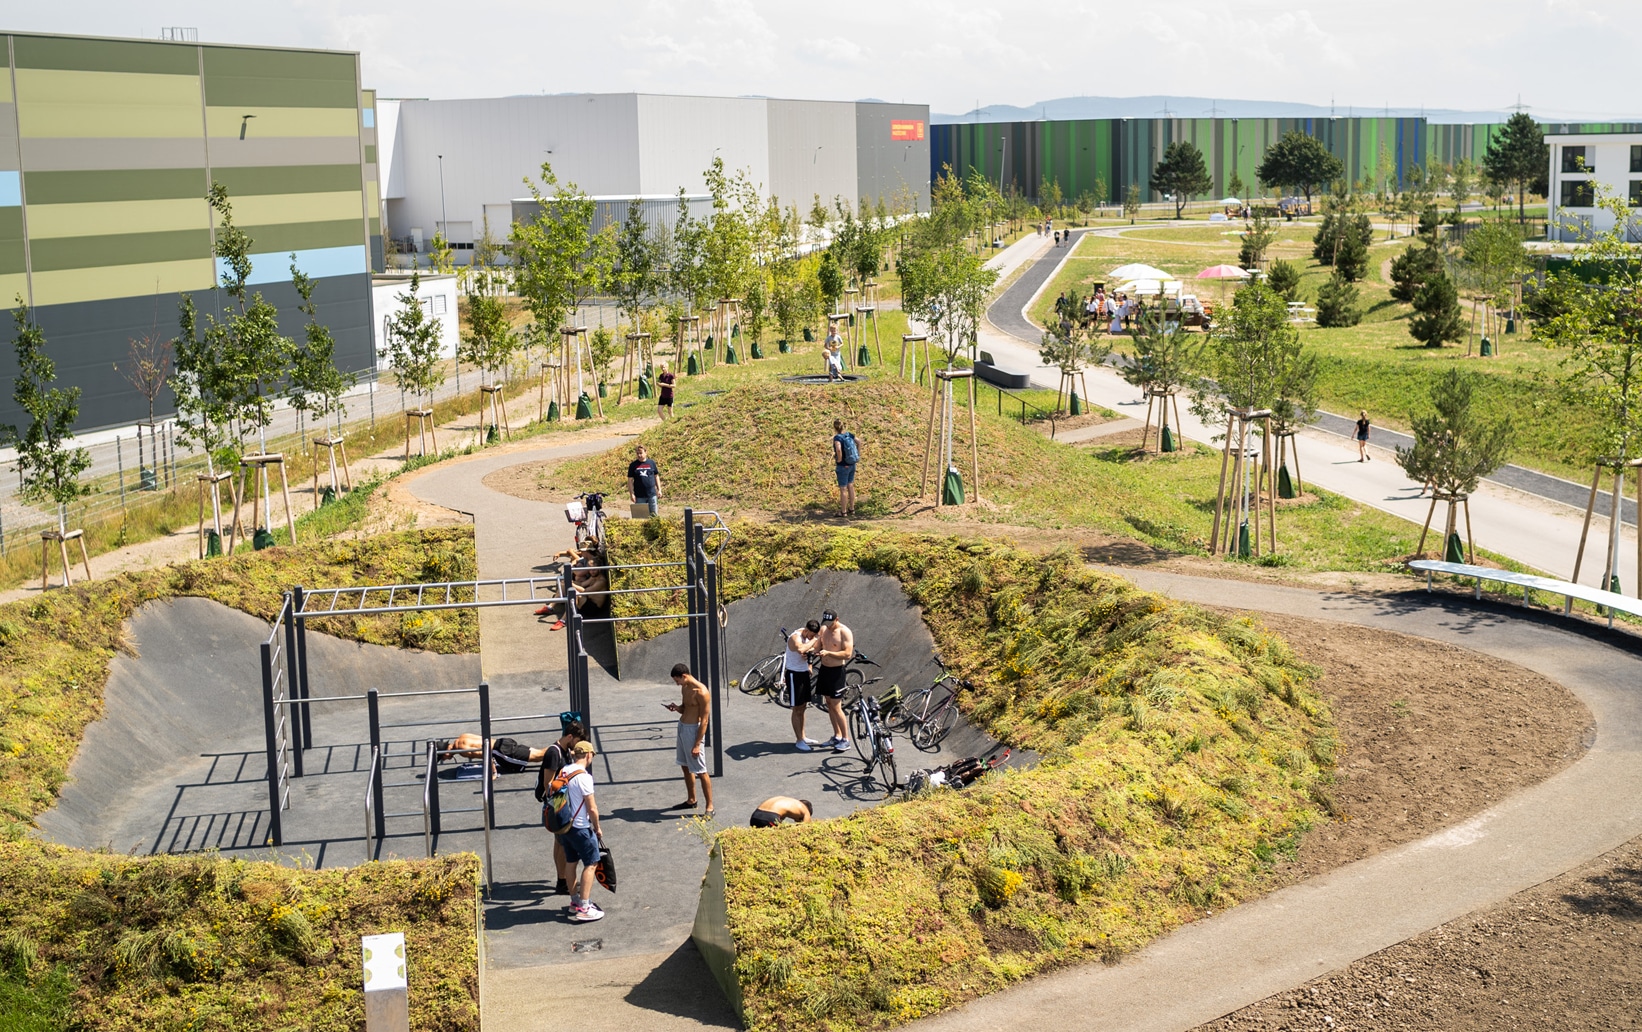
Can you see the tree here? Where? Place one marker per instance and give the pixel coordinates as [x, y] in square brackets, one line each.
[1412, 269]
[1436, 318]
[1049, 195]
[441, 258]
[1258, 234]
[1182, 174]
[147, 368]
[1455, 446]
[1301, 161]
[1337, 303]
[314, 383]
[831, 278]
[1518, 154]
[1071, 349]
[49, 470]
[1235, 186]
[412, 348]
[1244, 360]
[489, 341]
[727, 246]
[1284, 278]
[1162, 362]
[1131, 201]
[1493, 258]
[947, 288]
[550, 251]
[634, 273]
[1461, 182]
[1342, 241]
[487, 250]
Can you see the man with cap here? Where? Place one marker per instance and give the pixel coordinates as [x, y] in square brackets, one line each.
[837, 648]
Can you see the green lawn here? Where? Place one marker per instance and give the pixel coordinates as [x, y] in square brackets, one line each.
[1375, 365]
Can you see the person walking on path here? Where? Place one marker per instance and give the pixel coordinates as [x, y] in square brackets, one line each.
[1362, 435]
[581, 842]
[772, 811]
[801, 645]
[555, 758]
[643, 478]
[664, 398]
[846, 455]
[692, 732]
[837, 649]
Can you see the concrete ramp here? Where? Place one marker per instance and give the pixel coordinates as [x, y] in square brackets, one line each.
[177, 763]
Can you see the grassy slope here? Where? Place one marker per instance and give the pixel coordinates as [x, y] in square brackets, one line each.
[768, 447]
[1375, 365]
[1182, 752]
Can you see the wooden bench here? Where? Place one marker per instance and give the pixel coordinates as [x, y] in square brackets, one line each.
[1609, 600]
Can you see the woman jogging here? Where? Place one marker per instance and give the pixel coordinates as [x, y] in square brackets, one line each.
[1362, 436]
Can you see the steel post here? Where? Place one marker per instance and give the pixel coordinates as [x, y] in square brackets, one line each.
[295, 716]
[271, 729]
[373, 710]
[715, 669]
[300, 686]
[484, 733]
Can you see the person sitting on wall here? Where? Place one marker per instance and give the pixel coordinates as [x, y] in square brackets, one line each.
[772, 811]
[590, 579]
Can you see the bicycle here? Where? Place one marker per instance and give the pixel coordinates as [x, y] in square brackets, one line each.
[925, 721]
[768, 678]
[586, 511]
[956, 775]
[874, 741]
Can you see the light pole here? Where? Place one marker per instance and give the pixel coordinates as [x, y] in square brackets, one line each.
[444, 220]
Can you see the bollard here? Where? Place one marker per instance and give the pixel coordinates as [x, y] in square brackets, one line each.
[387, 1002]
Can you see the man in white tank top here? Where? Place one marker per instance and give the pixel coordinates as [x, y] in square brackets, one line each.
[801, 645]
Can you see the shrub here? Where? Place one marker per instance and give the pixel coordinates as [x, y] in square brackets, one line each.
[1337, 302]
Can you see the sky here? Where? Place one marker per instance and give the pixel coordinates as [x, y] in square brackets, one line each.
[1563, 58]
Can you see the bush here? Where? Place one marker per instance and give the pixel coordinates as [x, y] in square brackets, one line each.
[1284, 278]
[1337, 302]
[1412, 269]
[1436, 318]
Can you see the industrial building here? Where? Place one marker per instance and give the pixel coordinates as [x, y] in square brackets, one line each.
[107, 150]
[1590, 162]
[460, 164]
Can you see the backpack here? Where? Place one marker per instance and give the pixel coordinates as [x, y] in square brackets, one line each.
[851, 451]
[557, 816]
[554, 761]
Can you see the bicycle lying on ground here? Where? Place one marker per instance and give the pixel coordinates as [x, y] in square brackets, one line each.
[957, 774]
[925, 719]
[768, 677]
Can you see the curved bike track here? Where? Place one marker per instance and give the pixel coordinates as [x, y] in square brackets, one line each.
[1219, 964]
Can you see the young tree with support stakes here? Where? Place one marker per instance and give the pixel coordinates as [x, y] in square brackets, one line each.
[314, 384]
[1072, 349]
[1455, 446]
[48, 468]
[412, 352]
[555, 259]
[1163, 364]
[1181, 174]
[147, 368]
[633, 276]
[1598, 327]
[1299, 160]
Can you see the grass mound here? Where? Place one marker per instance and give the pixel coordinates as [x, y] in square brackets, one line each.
[193, 942]
[768, 446]
[1182, 752]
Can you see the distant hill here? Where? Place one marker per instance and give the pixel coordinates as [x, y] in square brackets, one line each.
[1198, 107]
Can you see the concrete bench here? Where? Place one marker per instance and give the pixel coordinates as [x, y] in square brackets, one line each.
[1609, 600]
[998, 378]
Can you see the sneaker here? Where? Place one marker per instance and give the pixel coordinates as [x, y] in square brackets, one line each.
[586, 912]
[803, 745]
[557, 625]
[842, 745]
[545, 610]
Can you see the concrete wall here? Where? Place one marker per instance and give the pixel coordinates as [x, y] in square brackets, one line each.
[438, 295]
[678, 137]
[1606, 171]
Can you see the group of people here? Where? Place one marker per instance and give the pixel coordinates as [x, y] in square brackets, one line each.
[829, 645]
[1097, 308]
[1047, 229]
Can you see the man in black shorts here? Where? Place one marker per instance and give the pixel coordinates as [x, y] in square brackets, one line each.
[775, 809]
[837, 649]
[507, 756]
[801, 645]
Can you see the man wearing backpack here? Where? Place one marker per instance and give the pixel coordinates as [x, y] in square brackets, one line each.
[572, 814]
[846, 453]
[554, 759]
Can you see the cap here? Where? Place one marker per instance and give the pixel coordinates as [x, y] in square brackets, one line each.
[582, 749]
[828, 616]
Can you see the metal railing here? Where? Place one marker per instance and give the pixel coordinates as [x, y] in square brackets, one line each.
[372, 791]
[380, 598]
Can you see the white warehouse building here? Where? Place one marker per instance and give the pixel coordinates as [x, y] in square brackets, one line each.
[1587, 166]
[464, 161]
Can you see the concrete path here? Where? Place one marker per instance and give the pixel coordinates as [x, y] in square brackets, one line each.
[1540, 532]
[1220, 964]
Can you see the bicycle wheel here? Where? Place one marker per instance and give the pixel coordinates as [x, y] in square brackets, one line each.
[912, 710]
[886, 772]
[861, 735]
[942, 721]
[764, 678]
[852, 686]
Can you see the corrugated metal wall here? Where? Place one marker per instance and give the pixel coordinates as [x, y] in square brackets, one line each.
[678, 138]
[812, 152]
[892, 153]
[109, 148]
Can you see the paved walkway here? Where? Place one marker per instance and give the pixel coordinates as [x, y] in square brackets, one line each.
[1541, 532]
[1222, 963]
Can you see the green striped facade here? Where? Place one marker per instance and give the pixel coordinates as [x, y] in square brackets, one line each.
[1103, 157]
[108, 149]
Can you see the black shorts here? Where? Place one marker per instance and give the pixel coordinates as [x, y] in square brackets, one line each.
[510, 756]
[830, 682]
[764, 819]
[799, 686]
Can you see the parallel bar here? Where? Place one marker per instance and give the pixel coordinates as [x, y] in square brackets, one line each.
[292, 680]
[303, 684]
[269, 728]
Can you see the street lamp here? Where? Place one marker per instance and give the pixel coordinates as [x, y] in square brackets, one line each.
[444, 220]
[815, 156]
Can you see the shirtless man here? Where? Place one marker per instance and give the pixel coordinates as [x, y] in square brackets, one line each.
[506, 755]
[692, 732]
[775, 809]
[837, 649]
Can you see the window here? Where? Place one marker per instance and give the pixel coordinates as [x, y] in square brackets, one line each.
[1578, 193]
[1636, 157]
[1636, 193]
[1573, 160]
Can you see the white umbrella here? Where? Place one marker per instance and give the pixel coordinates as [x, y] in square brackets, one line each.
[1231, 202]
[1138, 271]
[1150, 285]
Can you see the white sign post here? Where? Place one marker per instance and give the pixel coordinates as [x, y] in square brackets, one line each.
[387, 1006]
